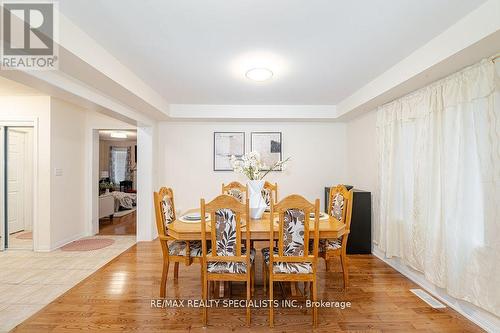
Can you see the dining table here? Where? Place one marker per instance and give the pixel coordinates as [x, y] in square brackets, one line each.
[329, 228]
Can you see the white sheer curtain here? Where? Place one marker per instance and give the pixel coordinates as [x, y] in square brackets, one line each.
[439, 183]
[119, 164]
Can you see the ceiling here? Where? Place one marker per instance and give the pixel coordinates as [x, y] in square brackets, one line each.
[13, 88]
[321, 51]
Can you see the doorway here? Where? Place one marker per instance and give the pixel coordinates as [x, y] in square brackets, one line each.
[17, 187]
[117, 182]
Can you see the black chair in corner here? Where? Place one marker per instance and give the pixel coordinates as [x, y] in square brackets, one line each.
[125, 185]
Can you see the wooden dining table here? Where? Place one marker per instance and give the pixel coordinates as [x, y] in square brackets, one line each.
[259, 229]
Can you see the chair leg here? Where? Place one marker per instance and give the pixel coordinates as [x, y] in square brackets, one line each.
[176, 271]
[216, 289]
[228, 289]
[205, 299]
[293, 288]
[343, 261]
[271, 306]
[326, 264]
[252, 280]
[315, 308]
[249, 291]
[264, 274]
[163, 282]
[306, 286]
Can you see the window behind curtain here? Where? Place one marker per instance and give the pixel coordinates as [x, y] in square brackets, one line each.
[118, 164]
[439, 181]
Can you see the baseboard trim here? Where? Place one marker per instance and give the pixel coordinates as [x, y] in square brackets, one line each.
[478, 316]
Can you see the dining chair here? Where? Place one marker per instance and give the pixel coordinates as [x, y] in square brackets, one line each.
[291, 260]
[227, 260]
[175, 251]
[269, 193]
[237, 190]
[340, 207]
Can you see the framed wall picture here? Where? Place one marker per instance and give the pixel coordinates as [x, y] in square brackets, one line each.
[227, 144]
[269, 145]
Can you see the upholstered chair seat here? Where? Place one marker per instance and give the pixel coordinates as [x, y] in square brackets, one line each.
[231, 267]
[330, 244]
[327, 245]
[286, 267]
[178, 248]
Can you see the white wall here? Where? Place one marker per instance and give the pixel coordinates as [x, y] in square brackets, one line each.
[59, 214]
[362, 158]
[318, 152]
[93, 122]
[67, 189]
[37, 109]
[147, 180]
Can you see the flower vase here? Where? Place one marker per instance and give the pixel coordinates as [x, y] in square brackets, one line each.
[257, 202]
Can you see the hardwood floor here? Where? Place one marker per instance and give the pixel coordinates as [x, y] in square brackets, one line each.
[117, 298]
[125, 225]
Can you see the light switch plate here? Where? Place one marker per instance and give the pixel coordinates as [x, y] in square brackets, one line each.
[59, 172]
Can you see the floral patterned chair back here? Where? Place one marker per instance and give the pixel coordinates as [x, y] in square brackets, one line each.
[340, 207]
[236, 190]
[339, 200]
[270, 193]
[226, 226]
[164, 204]
[294, 213]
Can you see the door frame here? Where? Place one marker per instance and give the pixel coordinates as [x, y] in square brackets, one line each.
[22, 179]
[146, 179]
[93, 144]
[23, 122]
[2, 187]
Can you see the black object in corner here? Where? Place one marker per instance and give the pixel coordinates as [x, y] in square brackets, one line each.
[360, 237]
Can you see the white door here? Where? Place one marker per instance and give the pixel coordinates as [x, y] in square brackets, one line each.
[16, 141]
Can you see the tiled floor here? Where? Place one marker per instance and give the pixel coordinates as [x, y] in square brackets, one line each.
[16, 243]
[30, 280]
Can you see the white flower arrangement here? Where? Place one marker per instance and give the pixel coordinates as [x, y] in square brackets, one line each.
[252, 167]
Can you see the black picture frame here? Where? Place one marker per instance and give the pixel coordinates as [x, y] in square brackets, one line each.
[279, 147]
[227, 168]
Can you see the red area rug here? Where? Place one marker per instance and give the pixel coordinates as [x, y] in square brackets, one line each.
[88, 244]
[25, 235]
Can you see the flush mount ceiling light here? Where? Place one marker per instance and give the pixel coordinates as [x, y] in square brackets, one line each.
[259, 66]
[118, 135]
[259, 74]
